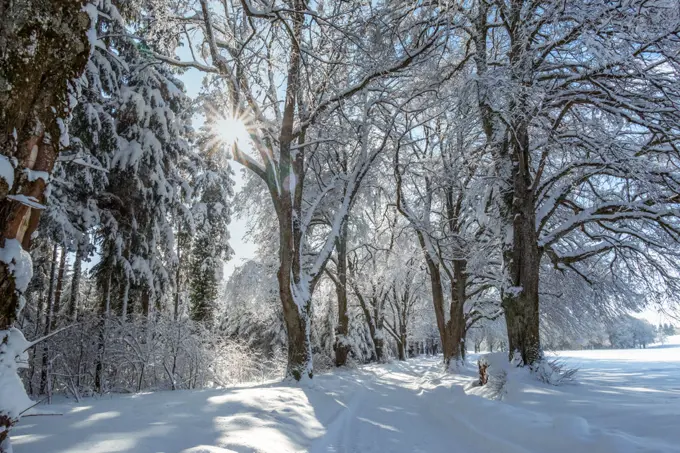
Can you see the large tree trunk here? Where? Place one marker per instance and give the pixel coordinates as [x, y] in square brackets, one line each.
[523, 259]
[455, 326]
[522, 255]
[43, 46]
[296, 303]
[294, 293]
[510, 147]
[401, 350]
[295, 297]
[296, 315]
[451, 331]
[342, 347]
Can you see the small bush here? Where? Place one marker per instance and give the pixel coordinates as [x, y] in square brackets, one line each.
[493, 369]
[553, 372]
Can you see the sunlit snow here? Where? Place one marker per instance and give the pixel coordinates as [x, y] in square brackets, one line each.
[622, 401]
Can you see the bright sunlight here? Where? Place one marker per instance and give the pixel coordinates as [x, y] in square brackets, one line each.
[231, 130]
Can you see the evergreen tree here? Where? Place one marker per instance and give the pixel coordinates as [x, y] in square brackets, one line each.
[211, 244]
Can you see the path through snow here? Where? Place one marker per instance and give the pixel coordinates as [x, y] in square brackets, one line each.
[627, 401]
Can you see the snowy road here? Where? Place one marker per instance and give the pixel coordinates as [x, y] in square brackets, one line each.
[625, 402]
[392, 411]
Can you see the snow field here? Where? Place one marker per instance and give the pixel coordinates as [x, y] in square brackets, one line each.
[622, 401]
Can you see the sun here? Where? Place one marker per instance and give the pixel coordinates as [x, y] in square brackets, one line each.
[231, 130]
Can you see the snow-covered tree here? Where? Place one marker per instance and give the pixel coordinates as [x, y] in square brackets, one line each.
[288, 137]
[210, 243]
[44, 47]
[578, 109]
[437, 170]
[251, 308]
[630, 332]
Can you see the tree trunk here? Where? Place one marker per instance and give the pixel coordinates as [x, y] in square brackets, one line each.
[104, 312]
[295, 295]
[124, 298]
[342, 347]
[146, 303]
[455, 326]
[49, 315]
[59, 289]
[296, 315]
[38, 324]
[451, 331]
[33, 103]
[43, 46]
[378, 337]
[523, 258]
[510, 147]
[401, 350]
[438, 302]
[374, 321]
[178, 275]
[521, 305]
[75, 286]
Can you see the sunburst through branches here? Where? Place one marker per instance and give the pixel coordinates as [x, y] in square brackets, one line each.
[231, 130]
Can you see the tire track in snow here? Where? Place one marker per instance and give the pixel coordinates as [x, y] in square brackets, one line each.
[337, 437]
[386, 414]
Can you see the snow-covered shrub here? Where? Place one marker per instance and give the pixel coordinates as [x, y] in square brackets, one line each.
[553, 371]
[252, 310]
[155, 353]
[13, 357]
[493, 369]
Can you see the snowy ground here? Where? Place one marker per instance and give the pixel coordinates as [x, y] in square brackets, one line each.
[624, 401]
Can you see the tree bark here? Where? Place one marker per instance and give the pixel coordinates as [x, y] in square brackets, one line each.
[523, 259]
[456, 323]
[43, 46]
[59, 289]
[294, 293]
[451, 331]
[178, 276]
[378, 333]
[146, 303]
[510, 148]
[342, 348]
[401, 350]
[296, 315]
